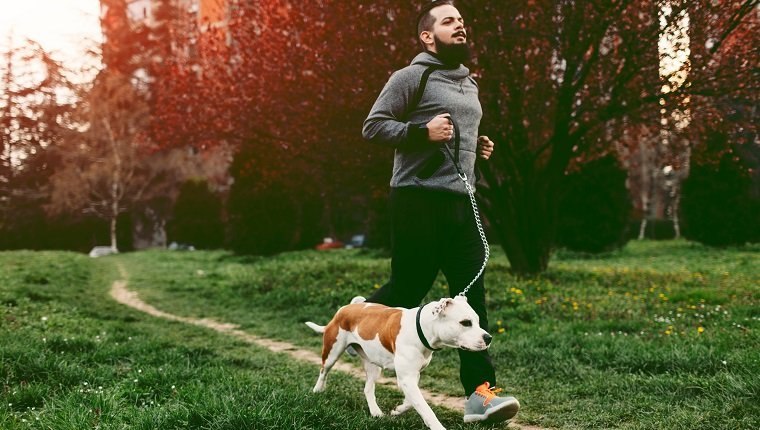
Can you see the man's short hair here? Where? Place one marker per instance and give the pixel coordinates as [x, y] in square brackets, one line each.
[425, 20]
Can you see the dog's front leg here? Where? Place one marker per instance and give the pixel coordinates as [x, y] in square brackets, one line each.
[408, 381]
[403, 407]
[373, 373]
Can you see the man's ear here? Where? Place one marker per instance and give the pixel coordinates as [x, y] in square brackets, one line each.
[440, 308]
[427, 37]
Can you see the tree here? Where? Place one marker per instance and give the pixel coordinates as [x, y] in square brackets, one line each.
[143, 47]
[290, 85]
[106, 171]
[561, 82]
[556, 78]
[33, 120]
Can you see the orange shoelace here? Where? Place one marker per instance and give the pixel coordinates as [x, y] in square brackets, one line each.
[486, 391]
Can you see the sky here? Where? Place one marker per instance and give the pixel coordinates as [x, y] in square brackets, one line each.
[67, 28]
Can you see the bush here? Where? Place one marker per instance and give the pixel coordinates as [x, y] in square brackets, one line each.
[197, 217]
[595, 208]
[717, 204]
[271, 210]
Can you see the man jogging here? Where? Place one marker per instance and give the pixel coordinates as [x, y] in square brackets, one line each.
[435, 136]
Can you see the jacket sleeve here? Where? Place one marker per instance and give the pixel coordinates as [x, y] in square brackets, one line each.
[385, 124]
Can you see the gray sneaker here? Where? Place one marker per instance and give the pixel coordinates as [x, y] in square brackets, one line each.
[485, 405]
[350, 350]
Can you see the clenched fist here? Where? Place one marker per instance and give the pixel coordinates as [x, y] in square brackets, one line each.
[440, 129]
[485, 147]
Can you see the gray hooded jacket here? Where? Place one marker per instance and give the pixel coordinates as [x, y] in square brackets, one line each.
[419, 162]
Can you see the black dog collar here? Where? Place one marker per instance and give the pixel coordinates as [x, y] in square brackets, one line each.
[420, 334]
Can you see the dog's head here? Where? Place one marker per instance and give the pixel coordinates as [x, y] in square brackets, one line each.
[458, 326]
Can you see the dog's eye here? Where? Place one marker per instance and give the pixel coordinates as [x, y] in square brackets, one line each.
[466, 323]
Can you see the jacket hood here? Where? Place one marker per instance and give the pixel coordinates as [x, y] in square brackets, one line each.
[427, 59]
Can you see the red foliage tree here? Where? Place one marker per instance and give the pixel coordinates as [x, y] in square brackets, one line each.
[561, 81]
[294, 80]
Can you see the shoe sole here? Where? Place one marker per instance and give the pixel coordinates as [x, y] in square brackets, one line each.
[503, 412]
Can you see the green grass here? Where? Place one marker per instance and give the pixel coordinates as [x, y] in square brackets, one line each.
[658, 335]
[71, 358]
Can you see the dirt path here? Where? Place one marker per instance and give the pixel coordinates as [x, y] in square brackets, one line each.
[129, 298]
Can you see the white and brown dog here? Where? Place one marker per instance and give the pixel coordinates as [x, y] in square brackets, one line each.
[402, 340]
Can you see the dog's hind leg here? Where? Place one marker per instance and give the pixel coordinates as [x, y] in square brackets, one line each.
[373, 373]
[332, 347]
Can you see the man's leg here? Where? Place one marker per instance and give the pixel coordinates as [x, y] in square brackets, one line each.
[463, 259]
[460, 263]
[413, 249]
[475, 367]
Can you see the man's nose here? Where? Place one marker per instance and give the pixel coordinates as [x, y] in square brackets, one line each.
[487, 338]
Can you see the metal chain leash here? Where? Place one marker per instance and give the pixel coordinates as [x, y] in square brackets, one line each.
[471, 192]
[482, 233]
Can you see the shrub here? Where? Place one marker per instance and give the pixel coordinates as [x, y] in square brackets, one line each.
[271, 210]
[197, 217]
[717, 204]
[595, 208]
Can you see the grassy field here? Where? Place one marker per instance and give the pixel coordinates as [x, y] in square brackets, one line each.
[658, 335]
[73, 359]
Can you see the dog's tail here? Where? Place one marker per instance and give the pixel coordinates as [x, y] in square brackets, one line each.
[315, 327]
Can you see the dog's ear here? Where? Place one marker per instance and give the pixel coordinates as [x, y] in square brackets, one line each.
[440, 308]
[461, 297]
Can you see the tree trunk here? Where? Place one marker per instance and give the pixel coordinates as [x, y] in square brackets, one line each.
[643, 229]
[676, 204]
[113, 234]
[524, 219]
[523, 202]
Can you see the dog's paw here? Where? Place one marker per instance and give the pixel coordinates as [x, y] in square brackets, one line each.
[400, 409]
[377, 414]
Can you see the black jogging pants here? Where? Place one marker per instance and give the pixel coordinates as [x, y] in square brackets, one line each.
[431, 231]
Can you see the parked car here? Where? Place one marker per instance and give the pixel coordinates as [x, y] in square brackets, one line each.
[357, 241]
[329, 243]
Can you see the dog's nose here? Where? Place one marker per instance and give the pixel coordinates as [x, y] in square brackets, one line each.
[487, 338]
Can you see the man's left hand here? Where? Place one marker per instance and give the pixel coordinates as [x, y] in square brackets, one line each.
[485, 147]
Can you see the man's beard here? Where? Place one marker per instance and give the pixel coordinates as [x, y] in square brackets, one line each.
[452, 54]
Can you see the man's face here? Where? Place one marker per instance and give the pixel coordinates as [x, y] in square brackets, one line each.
[449, 26]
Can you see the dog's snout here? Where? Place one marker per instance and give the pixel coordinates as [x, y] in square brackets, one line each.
[487, 338]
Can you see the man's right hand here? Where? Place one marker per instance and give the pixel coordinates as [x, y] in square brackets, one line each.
[440, 129]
